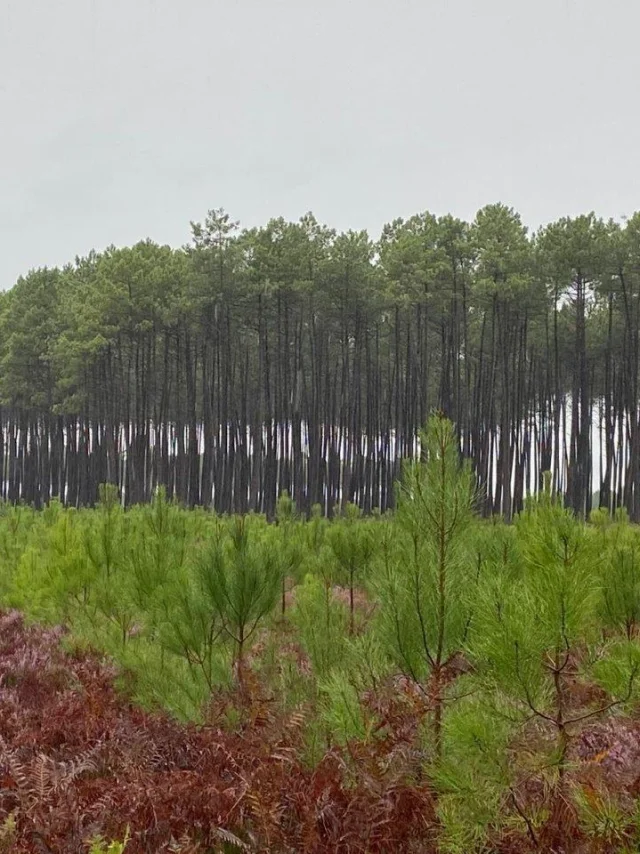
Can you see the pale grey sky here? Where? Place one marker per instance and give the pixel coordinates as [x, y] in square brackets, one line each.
[124, 119]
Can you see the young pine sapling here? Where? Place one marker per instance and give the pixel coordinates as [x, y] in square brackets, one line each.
[352, 546]
[429, 573]
[240, 580]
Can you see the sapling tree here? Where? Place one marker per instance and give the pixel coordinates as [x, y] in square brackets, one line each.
[240, 580]
[322, 624]
[114, 593]
[495, 547]
[342, 712]
[15, 526]
[54, 577]
[429, 571]
[532, 640]
[352, 546]
[476, 776]
[315, 531]
[192, 628]
[103, 532]
[157, 551]
[289, 548]
[114, 601]
[318, 559]
[189, 625]
[620, 578]
[104, 545]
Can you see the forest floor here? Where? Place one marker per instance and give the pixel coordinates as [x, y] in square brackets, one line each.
[78, 761]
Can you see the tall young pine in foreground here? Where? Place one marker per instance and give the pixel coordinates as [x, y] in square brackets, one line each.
[424, 610]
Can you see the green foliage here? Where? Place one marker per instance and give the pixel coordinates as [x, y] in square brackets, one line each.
[315, 540]
[620, 579]
[8, 834]
[353, 547]
[27, 375]
[240, 581]
[103, 535]
[289, 545]
[366, 662]
[342, 712]
[605, 820]
[535, 637]
[53, 574]
[159, 548]
[322, 623]
[475, 759]
[547, 613]
[428, 579]
[616, 669]
[15, 526]
[100, 846]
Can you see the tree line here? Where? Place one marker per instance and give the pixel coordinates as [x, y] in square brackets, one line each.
[293, 357]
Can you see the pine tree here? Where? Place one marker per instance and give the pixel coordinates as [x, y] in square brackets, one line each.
[241, 582]
[534, 633]
[425, 589]
[352, 546]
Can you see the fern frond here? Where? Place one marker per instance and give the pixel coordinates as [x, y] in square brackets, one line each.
[230, 839]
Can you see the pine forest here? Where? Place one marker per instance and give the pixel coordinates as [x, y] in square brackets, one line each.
[291, 357]
[311, 542]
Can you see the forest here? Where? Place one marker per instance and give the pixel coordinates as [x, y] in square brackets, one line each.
[316, 543]
[294, 358]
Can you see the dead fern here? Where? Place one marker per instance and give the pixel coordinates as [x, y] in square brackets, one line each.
[39, 778]
[231, 839]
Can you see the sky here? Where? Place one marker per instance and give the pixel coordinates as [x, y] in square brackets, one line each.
[125, 119]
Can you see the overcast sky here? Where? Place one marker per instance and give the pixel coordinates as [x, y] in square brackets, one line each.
[125, 119]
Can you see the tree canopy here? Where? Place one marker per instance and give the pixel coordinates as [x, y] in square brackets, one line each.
[293, 357]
